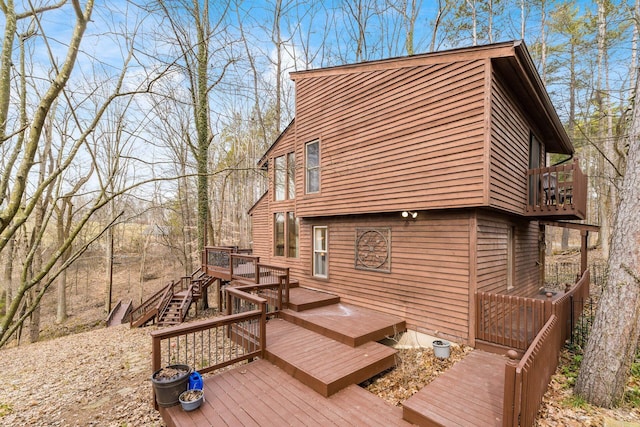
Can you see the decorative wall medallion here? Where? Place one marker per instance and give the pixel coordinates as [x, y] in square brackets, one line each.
[373, 249]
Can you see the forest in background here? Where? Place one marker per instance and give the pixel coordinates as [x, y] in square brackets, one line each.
[124, 124]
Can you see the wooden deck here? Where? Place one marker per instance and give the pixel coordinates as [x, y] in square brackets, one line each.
[322, 363]
[261, 394]
[471, 393]
[348, 324]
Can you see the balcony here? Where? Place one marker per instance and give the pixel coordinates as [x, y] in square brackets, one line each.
[558, 192]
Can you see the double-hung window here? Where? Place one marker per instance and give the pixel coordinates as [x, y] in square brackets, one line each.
[320, 252]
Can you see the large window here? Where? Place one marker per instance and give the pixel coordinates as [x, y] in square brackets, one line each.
[280, 175]
[285, 234]
[284, 177]
[278, 226]
[320, 253]
[291, 175]
[312, 151]
[292, 235]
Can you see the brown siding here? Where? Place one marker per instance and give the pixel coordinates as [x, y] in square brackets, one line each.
[492, 255]
[394, 139]
[429, 280]
[509, 152]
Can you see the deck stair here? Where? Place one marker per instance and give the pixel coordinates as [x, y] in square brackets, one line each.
[330, 345]
[177, 308]
[171, 302]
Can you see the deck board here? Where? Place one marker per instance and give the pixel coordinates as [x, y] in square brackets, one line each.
[320, 362]
[232, 395]
[349, 324]
[471, 393]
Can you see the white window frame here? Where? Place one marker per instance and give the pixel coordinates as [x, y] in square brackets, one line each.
[321, 249]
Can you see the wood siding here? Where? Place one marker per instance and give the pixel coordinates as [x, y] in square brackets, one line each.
[509, 159]
[394, 139]
[428, 284]
[492, 236]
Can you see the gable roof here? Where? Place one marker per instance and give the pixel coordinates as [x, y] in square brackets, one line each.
[511, 60]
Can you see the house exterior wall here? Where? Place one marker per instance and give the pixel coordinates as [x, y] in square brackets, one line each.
[428, 282]
[509, 150]
[393, 139]
[491, 252]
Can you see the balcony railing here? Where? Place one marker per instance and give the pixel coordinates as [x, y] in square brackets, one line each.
[557, 191]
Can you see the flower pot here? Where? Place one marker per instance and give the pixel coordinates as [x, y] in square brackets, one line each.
[441, 349]
[169, 382]
[191, 399]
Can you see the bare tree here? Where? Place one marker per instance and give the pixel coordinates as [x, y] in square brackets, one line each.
[614, 336]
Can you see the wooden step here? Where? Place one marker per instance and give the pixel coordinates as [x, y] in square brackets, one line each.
[348, 324]
[301, 299]
[470, 393]
[321, 363]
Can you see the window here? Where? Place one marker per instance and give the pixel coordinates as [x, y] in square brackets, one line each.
[278, 226]
[291, 175]
[284, 177]
[285, 234]
[320, 252]
[279, 179]
[312, 151]
[292, 235]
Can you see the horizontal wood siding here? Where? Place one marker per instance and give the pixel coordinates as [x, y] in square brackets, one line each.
[492, 232]
[428, 284]
[393, 139]
[262, 236]
[509, 159]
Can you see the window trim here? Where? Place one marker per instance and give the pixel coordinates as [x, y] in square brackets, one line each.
[325, 250]
[286, 237]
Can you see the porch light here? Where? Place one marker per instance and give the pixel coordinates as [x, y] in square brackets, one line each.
[407, 214]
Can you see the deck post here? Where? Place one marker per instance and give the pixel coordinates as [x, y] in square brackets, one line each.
[263, 330]
[511, 405]
[584, 235]
[155, 365]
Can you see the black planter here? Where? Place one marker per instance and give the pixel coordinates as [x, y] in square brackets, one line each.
[168, 390]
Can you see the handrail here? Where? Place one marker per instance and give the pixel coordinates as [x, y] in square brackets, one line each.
[526, 382]
[212, 344]
[150, 303]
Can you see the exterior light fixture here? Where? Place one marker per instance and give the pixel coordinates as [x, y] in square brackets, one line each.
[407, 214]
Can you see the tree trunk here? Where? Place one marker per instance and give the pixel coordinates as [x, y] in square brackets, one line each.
[614, 336]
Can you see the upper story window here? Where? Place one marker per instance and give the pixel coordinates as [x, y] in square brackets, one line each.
[312, 154]
[284, 177]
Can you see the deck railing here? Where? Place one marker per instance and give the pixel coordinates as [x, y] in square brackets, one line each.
[557, 191]
[226, 262]
[270, 282]
[514, 322]
[526, 381]
[211, 344]
[508, 320]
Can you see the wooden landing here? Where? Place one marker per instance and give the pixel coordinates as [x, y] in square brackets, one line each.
[321, 363]
[347, 324]
[469, 394]
[261, 394]
[301, 299]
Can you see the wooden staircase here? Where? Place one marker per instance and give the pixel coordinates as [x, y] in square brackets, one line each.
[328, 345]
[170, 304]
